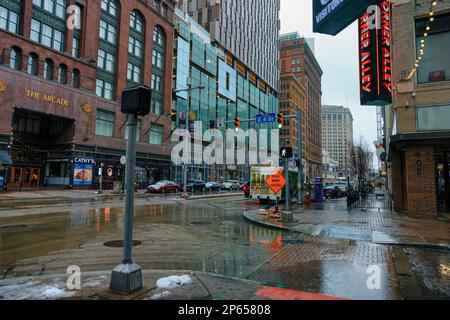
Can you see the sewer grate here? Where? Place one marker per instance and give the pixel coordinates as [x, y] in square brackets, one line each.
[119, 243]
[293, 241]
[200, 223]
[15, 226]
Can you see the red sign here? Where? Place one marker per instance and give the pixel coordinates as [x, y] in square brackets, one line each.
[276, 181]
[375, 55]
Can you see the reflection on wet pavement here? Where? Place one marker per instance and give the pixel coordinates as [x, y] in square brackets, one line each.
[209, 236]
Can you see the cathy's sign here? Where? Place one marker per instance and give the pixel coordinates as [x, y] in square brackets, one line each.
[47, 97]
[375, 58]
[333, 16]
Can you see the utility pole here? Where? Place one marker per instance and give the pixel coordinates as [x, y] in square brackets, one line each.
[126, 278]
[300, 178]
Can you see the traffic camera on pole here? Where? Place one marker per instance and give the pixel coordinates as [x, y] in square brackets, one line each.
[237, 123]
[280, 120]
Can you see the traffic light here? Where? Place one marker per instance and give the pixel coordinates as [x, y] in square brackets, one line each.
[280, 120]
[237, 123]
[173, 116]
[212, 124]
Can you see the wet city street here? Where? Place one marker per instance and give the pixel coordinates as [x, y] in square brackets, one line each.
[211, 236]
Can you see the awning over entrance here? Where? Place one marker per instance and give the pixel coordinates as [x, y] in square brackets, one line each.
[5, 158]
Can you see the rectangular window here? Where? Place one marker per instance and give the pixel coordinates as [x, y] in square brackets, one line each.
[156, 83]
[106, 61]
[76, 47]
[104, 124]
[135, 47]
[158, 60]
[156, 134]
[9, 20]
[108, 32]
[156, 107]
[104, 89]
[46, 35]
[435, 62]
[134, 73]
[433, 118]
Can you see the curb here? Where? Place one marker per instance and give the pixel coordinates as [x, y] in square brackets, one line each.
[437, 246]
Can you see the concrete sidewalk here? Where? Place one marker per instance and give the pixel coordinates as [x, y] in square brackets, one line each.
[182, 285]
[381, 227]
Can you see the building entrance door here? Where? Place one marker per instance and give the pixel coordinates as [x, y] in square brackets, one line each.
[25, 177]
[443, 181]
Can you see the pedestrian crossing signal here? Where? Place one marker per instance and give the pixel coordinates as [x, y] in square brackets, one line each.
[280, 120]
[173, 116]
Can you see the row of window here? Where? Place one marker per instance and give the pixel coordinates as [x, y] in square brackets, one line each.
[105, 124]
[33, 64]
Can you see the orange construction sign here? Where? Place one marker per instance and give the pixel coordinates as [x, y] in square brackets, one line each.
[276, 181]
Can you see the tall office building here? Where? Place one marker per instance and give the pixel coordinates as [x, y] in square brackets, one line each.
[248, 30]
[231, 90]
[338, 135]
[297, 59]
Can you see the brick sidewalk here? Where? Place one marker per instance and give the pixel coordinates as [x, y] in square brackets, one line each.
[378, 226]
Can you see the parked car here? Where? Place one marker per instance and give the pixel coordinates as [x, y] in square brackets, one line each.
[195, 185]
[231, 185]
[213, 186]
[164, 186]
[333, 192]
[343, 186]
[247, 190]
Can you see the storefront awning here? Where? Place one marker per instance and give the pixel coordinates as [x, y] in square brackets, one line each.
[5, 158]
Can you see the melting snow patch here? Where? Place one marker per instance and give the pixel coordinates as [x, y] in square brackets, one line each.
[33, 290]
[95, 282]
[161, 295]
[173, 282]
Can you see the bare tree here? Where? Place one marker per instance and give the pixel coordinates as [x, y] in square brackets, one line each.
[361, 160]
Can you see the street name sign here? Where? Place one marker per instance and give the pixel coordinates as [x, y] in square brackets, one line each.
[266, 118]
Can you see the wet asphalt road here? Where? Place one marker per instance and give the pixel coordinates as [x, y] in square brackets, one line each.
[211, 236]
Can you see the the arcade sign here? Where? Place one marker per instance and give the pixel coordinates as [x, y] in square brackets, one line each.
[332, 16]
[375, 55]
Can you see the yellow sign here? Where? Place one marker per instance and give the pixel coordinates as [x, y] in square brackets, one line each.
[48, 98]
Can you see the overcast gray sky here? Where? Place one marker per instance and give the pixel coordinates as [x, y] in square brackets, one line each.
[338, 58]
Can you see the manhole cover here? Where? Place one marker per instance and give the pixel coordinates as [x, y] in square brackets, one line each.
[16, 226]
[201, 223]
[119, 243]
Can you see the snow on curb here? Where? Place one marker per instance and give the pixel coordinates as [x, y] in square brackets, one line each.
[173, 282]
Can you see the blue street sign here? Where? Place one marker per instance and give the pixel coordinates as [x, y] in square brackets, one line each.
[266, 118]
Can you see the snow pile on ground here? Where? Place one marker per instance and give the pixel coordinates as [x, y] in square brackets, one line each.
[173, 282]
[161, 295]
[33, 290]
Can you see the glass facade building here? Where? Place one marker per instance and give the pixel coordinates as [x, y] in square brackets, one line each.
[231, 90]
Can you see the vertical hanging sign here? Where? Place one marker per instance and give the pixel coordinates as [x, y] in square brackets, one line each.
[375, 55]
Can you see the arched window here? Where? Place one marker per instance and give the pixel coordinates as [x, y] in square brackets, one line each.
[62, 74]
[15, 58]
[158, 66]
[75, 78]
[48, 69]
[136, 44]
[32, 65]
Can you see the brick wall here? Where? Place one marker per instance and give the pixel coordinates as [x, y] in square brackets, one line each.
[420, 178]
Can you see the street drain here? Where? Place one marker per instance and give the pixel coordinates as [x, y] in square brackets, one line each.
[119, 243]
[293, 241]
[200, 223]
[15, 226]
